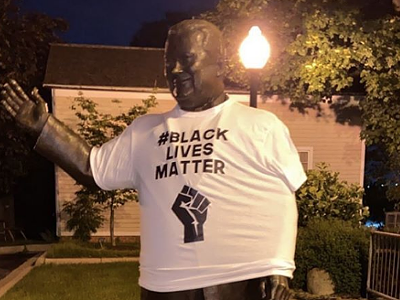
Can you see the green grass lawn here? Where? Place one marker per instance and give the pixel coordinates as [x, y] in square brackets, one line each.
[110, 281]
[73, 249]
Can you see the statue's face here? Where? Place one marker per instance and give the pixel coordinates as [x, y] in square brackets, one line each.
[193, 71]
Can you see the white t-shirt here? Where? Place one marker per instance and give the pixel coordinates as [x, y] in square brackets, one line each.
[215, 191]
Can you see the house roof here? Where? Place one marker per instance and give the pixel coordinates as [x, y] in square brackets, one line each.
[104, 67]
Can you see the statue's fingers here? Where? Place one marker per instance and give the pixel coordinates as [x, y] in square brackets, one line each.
[18, 90]
[10, 93]
[10, 102]
[279, 293]
[8, 108]
[288, 295]
[37, 98]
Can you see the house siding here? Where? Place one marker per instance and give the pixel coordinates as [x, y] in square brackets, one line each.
[337, 144]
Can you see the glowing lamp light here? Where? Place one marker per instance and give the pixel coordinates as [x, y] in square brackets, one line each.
[254, 50]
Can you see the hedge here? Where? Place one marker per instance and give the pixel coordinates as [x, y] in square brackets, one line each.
[336, 246]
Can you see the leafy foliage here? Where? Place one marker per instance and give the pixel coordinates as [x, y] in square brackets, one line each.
[319, 47]
[326, 47]
[97, 128]
[336, 246]
[24, 44]
[324, 195]
[85, 216]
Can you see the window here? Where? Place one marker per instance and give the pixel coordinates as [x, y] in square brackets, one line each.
[392, 220]
[306, 157]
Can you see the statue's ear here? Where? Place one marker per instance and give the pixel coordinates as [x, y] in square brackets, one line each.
[221, 68]
[221, 63]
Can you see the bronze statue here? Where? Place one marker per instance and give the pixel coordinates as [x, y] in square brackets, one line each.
[194, 66]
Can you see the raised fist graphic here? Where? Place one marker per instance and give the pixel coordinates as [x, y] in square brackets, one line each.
[191, 209]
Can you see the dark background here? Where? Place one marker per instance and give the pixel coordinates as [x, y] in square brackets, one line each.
[111, 22]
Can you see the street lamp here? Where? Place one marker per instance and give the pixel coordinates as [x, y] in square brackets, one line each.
[254, 53]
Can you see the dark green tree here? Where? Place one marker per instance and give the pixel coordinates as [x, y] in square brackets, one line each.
[24, 45]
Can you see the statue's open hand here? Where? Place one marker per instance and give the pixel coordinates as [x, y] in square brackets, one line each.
[282, 293]
[29, 112]
[277, 288]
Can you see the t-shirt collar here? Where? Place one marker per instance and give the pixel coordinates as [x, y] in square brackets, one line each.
[198, 114]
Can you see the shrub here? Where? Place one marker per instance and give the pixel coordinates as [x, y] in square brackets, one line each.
[336, 246]
[85, 216]
[325, 195]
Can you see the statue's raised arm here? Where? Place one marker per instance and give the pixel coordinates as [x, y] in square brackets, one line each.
[55, 140]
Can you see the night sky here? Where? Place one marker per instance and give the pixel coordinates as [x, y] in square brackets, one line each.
[110, 22]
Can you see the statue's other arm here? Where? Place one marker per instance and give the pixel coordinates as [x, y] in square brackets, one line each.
[55, 140]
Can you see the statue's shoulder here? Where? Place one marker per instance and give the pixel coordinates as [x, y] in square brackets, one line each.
[149, 120]
[242, 111]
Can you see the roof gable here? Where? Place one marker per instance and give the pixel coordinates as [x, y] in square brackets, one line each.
[93, 66]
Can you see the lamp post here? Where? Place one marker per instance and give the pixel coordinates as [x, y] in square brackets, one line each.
[254, 53]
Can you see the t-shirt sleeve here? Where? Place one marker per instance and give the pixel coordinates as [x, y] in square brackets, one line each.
[112, 164]
[282, 156]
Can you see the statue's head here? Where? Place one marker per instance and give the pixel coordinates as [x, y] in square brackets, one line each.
[194, 64]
